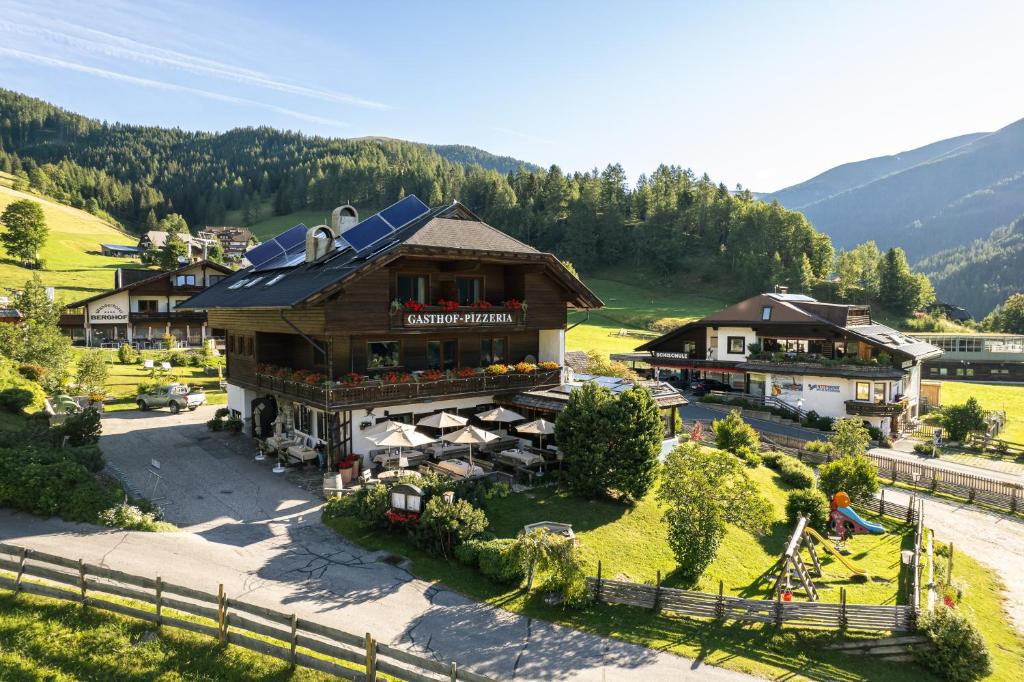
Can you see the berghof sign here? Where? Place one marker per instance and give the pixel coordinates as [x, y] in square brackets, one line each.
[458, 319]
[108, 312]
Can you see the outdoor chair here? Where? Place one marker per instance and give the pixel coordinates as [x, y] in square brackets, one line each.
[166, 366]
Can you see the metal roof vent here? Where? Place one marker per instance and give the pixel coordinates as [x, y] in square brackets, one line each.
[319, 242]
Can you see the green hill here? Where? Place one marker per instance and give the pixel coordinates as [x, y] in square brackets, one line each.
[73, 263]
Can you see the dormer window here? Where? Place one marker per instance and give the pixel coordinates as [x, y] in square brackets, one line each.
[766, 312]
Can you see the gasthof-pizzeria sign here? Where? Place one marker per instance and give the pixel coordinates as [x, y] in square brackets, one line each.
[458, 319]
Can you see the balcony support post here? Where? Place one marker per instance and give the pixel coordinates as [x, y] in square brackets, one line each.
[328, 354]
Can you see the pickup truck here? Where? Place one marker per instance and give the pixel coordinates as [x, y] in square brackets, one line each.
[178, 397]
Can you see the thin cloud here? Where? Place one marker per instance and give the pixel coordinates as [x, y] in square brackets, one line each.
[162, 85]
[111, 45]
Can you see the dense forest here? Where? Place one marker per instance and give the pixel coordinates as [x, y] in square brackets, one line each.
[983, 274]
[670, 221]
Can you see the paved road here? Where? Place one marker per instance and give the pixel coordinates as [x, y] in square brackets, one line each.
[260, 535]
[995, 540]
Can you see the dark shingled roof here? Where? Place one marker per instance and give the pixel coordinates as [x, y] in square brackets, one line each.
[451, 228]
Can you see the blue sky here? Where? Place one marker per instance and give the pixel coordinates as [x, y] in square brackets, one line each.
[763, 93]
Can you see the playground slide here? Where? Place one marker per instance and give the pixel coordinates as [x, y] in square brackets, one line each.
[855, 517]
[850, 566]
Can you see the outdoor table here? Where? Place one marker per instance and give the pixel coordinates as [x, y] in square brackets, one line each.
[521, 457]
[391, 458]
[447, 451]
[460, 468]
[396, 474]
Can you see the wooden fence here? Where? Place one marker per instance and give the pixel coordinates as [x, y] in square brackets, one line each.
[721, 607]
[272, 633]
[1002, 495]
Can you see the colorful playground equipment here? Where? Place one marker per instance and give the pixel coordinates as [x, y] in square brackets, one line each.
[844, 522]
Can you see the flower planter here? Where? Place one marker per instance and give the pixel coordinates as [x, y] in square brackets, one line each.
[333, 482]
[346, 475]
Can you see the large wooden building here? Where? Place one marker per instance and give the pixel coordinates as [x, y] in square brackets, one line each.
[397, 317]
[790, 350]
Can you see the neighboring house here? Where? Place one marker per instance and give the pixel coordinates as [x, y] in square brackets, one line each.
[120, 250]
[976, 357]
[952, 312]
[142, 307]
[791, 350]
[11, 315]
[157, 238]
[578, 361]
[334, 332]
[233, 240]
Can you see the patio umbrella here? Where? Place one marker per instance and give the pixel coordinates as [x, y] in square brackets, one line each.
[500, 414]
[401, 439]
[541, 427]
[442, 420]
[387, 426]
[469, 435]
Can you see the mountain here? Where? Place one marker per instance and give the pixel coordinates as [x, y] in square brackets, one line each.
[928, 199]
[467, 156]
[983, 274]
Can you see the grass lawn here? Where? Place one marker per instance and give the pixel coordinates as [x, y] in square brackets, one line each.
[270, 225]
[631, 544]
[44, 639]
[73, 263]
[992, 397]
[123, 380]
[632, 306]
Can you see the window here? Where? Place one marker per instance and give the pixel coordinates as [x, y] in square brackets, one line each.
[442, 354]
[493, 351]
[863, 390]
[303, 418]
[935, 370]
[185, 280]
[149, 306]
[879, 394]
[215, 278]
[766, 312]
[468, 289]
[382, 354]
[412, 288]
[943, 371]
[321, 425]
[970, 371]
[960, 372]
[736, 344]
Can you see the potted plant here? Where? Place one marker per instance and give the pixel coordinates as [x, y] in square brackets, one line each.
[431, 375]
[234, 424]
[347, 469]
[448, 305]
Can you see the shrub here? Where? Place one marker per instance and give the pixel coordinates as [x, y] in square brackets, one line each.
[796, 473]
[222, 413]
[749, 456]
[732, 433]
[177, 358]
[369, 506]
[89, 456]
[87, 499]
[960, 420]
[15, 399]
[771, 458]
[127, 355]
[694, 536]
[468, 552]
[923, 448]
[32, 371]
[215, 424]
[811, 503]
[819, 446]
[500, 560]
[849, 437]
[444, 526]
[959, 652]
[856, 476]
[129, 517]
[825, 423]
[81, 428]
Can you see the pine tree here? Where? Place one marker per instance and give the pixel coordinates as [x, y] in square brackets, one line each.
[151, 222]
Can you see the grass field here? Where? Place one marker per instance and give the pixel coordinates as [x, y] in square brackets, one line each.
[631, 544]
[992, 397]
[73, 263]
[270, 225]
[631, 306]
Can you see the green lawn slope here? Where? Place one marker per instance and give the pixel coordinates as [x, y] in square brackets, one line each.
[73, 263]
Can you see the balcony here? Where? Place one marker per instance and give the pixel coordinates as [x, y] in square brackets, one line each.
[863, 408]
[404, 388]
[184, 316]
[415, 317]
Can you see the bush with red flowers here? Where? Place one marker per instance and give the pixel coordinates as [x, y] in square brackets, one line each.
[414, 306]
[513, 304]
[401, 518]
[483, 304]
[465, 372]
[353, 379]
[396, 378]
[431, 375]
[448, 305]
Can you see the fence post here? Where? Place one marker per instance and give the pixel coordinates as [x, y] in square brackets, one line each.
[970, 495]
[910, 508]
[949, 565]
[81, 578]
[371, 658]
[295, 638]
[453, 674]
[1013, 501]
[720, 604]
[843, 619]
[881, 504]
[657, 594]
[222, 615]
[21, 570]
[159, 601]
[598, 595]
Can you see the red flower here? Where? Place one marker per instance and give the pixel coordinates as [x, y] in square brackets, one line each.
[353, 378]
[513, 303]
[465, 372]
[431, 375]
[448, 305]
[399, 517]
[414, 306]
[483, 304]
[948, 601]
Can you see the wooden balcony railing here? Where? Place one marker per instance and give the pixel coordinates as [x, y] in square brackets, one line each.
[868, 409]
[374, 392]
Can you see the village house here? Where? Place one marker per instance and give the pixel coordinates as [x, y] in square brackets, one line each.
[975, 357]
[157, 238]
[793, 352]
[233, 240]
[407, 313]
[143, 307]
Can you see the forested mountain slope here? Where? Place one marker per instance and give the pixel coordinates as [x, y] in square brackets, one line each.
[982, 275]
[672, 223]
[933, 198]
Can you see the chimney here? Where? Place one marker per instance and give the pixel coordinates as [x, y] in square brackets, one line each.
[343, 218]
[780, 289]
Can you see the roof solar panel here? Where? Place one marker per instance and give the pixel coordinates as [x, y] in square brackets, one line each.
[292, 238]
[404, 211]
[262, 253]
[366, 233]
